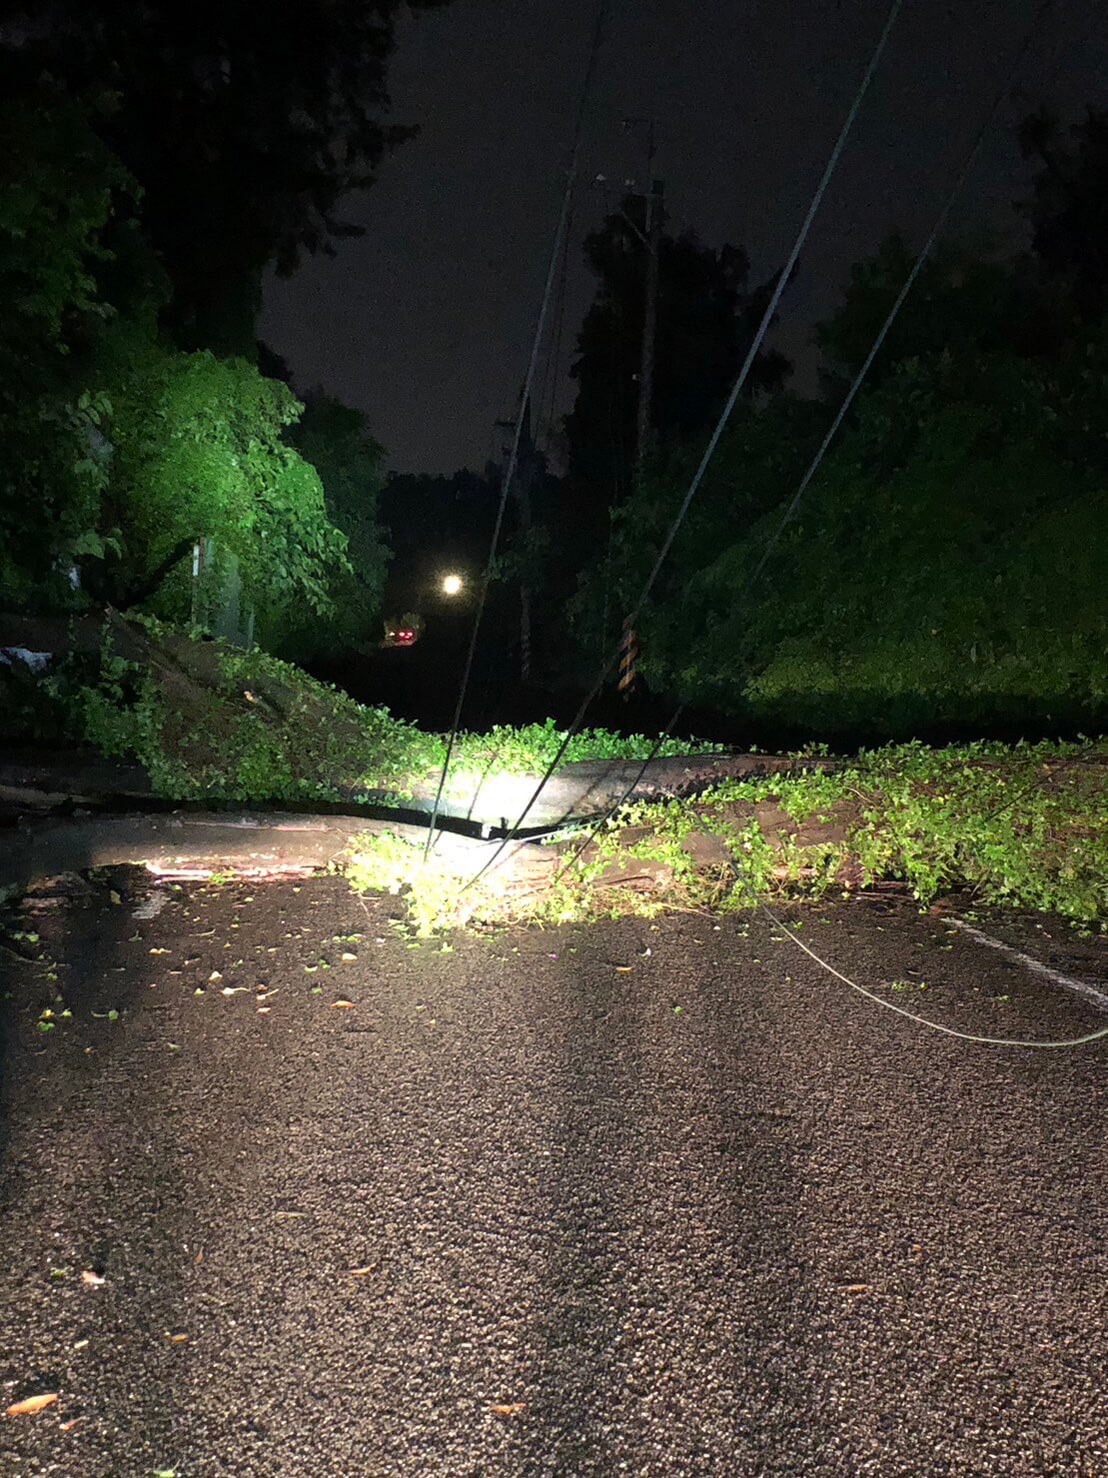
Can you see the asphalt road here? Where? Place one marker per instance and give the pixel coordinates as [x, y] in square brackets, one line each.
[644, 1198]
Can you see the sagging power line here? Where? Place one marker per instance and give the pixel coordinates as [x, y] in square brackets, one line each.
[736, 390]
[524, 405]
[855, 386]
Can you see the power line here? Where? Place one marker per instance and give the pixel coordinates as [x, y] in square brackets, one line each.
[1024, 1044]
[612, 810]
[524, 403]
[724, 417]
[917, 266]
[935, 1026]
[925, 251]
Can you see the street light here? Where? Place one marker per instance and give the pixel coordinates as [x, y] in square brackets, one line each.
[452, 584]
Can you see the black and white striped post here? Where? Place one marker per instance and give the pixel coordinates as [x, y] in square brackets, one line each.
[628, 660]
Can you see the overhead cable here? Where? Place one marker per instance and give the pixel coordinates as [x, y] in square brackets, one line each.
[724, 417]
[940, 221]
[524, 404]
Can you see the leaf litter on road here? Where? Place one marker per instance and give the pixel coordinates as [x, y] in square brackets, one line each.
[30, 1405]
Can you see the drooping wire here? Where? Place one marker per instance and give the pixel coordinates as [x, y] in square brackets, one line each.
[724, 417]
[524, 405]
[599, 825]
[926, 1023]
[547, 392]
[935, 1026]
[940, 221]
[917, 266]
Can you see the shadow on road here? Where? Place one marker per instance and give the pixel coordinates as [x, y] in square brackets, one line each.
[583, 1331]
[772, 1351]
[76, 1085]
[677, 1292]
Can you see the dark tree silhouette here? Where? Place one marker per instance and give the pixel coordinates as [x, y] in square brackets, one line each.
[1068, 207]
[961, 303]
[1031, 306]
[244, 124]
[707, 314]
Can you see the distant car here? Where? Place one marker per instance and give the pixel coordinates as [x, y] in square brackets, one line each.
[403, 631]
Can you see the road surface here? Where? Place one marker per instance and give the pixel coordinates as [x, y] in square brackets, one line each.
[656, 1198]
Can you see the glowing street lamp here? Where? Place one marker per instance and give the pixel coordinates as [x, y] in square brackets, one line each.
[452, 584]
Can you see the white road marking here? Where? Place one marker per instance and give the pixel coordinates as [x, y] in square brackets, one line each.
[1036, 967]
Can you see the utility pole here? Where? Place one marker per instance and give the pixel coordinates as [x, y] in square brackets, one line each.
[654, 215]
[526, 469]
[651, 238]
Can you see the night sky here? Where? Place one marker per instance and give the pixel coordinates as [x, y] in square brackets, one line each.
[425, 322]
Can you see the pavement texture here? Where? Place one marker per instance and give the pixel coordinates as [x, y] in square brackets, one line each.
[643, 1198]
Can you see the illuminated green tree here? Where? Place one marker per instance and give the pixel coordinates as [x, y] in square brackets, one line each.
[198, 451]
[945, 568]
[116, 449]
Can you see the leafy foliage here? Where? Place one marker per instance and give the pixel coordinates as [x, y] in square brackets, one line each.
[942, 573]
[1024, 826]
[1027, 826]
[118, 449]
[207, 720]
[532, 748]
[198, 451]
[335, 440]
[60, 193]
[706, 316]
[58, 197]
[943, 569]
[764, 449]
[963, 304]
[707, 313]
[244, 131]
[1068, 207]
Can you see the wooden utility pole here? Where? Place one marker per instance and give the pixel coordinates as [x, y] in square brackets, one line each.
[524, 475]
[654, 215]
[527, 459]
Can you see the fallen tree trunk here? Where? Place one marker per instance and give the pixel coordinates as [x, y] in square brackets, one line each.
[181, 844]
[588, 788]
[202, 845]
[43, 781]
[176, 843]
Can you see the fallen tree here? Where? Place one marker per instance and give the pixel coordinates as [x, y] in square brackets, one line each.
[201, 722]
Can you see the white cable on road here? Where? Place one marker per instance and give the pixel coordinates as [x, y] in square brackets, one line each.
[935, 1026]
